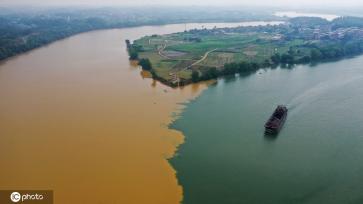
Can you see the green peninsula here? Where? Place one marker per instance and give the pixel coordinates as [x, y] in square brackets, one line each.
[202, 54]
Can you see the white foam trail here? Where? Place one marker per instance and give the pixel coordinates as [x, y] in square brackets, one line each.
[313, 94]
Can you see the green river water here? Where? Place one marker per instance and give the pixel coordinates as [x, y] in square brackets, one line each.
[316, 158]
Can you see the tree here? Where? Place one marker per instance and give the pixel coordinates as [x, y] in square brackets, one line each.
[134, 55]
[128, 44]
[287, 59]
[195, 76]
[211, 73]
[145, 64]
[315, 54]
[231, 68]
[305, 59]
[276, 58]
[266, 63]
[244, 67]
[255, 66]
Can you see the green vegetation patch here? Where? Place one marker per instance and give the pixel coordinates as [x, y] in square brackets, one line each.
[195, 55]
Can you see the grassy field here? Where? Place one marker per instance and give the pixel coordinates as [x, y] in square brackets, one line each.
[175, 56]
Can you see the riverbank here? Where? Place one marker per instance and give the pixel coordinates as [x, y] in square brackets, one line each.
[182, 58]
[196, 55]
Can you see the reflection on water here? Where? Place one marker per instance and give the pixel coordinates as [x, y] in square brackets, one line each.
[146, 74]
[270, 137]
[134, 64]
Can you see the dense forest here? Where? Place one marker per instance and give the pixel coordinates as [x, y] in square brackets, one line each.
[24, 29]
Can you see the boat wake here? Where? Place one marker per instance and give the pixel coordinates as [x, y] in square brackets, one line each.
[316, 92]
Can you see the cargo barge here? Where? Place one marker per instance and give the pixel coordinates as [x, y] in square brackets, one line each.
[277, 120]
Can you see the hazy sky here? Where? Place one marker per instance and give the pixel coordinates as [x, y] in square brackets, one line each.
[293, 3]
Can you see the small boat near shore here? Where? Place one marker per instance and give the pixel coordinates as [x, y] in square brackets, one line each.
[277, 120]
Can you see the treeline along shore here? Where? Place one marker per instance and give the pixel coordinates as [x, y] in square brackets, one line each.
[202, 54]
[23, 29]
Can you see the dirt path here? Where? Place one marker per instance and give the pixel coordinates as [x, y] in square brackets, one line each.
[204, 57]
[160, 51]
[201, 60]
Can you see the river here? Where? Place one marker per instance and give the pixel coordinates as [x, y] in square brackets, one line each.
[78, 118]
[316, 158]
[293, 14]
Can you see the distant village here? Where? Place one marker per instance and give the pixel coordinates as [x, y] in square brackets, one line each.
[306, 31]
[326, 33]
